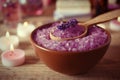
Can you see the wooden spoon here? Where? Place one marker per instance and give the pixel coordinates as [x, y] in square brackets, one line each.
[99, 19]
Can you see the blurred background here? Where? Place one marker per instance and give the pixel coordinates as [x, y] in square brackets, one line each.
[21, 16]
[14, 11]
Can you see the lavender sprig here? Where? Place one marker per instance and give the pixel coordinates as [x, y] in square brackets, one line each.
[70, 23]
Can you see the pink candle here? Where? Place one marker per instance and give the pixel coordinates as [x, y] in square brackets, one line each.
[13, 57]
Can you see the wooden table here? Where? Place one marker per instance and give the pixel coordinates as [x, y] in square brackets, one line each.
[34, 69]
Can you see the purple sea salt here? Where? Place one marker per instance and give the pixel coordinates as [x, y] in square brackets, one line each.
[95, 37]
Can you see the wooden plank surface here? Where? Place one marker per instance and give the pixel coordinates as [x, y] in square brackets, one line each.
[34, 69]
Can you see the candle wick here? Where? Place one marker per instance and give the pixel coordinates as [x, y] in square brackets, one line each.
[11, 53]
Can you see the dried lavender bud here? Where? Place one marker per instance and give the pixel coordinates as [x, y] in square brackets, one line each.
[71, 22]
[61, 26]
[66, 25]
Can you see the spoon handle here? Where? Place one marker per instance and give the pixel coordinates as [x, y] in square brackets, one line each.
[104, 17]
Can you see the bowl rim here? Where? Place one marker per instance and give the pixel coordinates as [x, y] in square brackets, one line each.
[67, 52]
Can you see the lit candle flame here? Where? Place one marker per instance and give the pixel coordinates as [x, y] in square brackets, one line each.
[25, 24]
[118, 19]
[11, 47]
[7, 34]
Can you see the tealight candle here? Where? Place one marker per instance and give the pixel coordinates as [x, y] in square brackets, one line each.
[5, 41]
[115, 24]
[13, 57]
[24, 30]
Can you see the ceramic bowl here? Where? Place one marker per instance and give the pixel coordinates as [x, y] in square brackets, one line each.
[69, 62]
